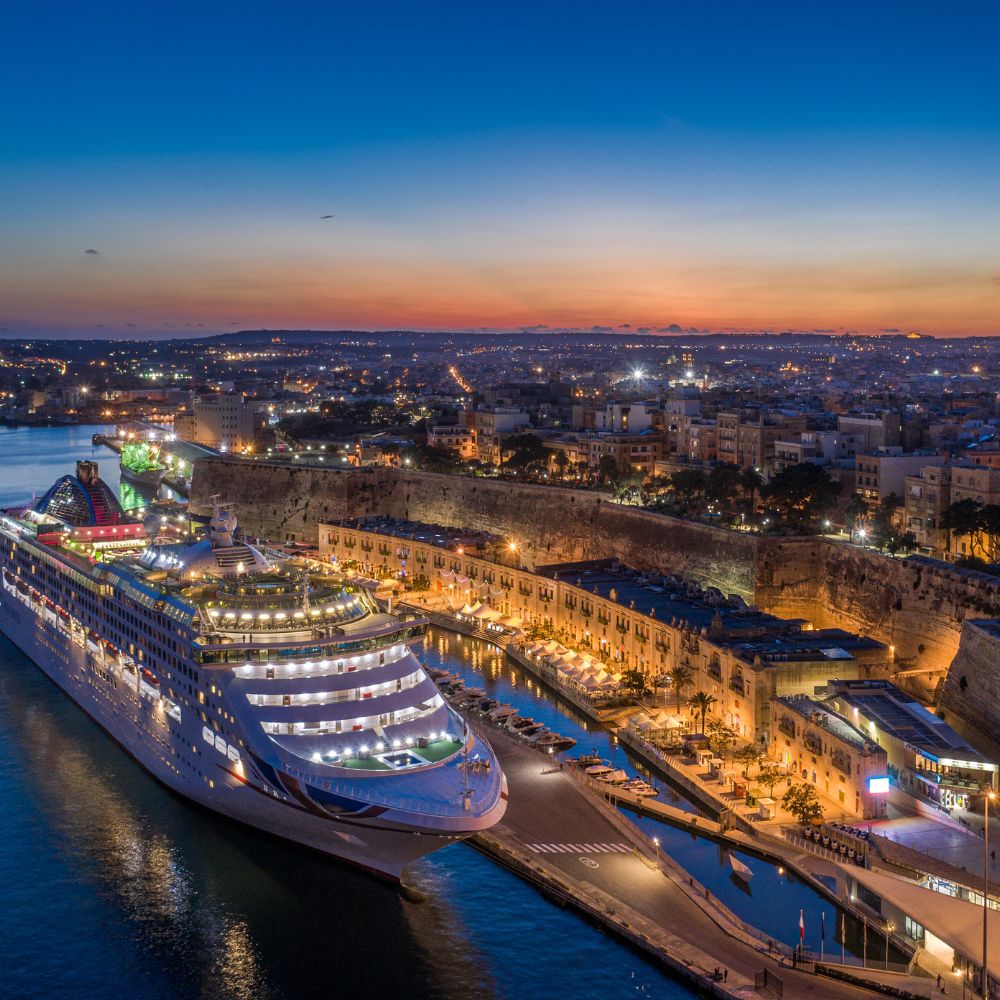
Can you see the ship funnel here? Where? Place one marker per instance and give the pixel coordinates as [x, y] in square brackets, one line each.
[87, 472]
[221, 526]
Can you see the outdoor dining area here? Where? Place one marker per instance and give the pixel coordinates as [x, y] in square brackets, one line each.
[655, 726]
[574, 669]
[481, 614]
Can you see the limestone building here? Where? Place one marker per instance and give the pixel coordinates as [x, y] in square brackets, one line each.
[741, 656]
[828, 751]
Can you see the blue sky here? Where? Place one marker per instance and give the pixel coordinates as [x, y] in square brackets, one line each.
[720, 165]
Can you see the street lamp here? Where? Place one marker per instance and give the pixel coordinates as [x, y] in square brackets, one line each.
[656, 842]
[987, 799]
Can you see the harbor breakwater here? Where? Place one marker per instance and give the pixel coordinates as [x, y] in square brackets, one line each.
[916, 605]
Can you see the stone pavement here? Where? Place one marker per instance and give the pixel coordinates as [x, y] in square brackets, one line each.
[548, 807]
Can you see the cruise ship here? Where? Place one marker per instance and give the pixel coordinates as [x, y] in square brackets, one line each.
[257, 683]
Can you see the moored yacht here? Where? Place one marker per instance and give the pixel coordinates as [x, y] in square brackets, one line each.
[261, 686]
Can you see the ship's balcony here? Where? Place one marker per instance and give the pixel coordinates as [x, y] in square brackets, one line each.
[353, 712]
[317, 645]
[277, 619]
[374, 689]
[351, 727]
[389, 664]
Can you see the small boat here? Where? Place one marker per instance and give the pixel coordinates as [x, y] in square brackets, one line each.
[518, 722]
[465, 697]
[585, 760]
[618, 777]
[501, 713]
[533, 730]
[740, 869]
[642, 788]
[553, 742]
[598, 770]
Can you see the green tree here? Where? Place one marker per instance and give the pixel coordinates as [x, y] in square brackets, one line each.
[769, 774]
[802, 492]
[634, 681]
[607, 469]
[722, 738]
[752, 482]
[702, 703]
[961, 519]
[723, 483]
[989, 521]
[803, 803]
[525, 449]
[748, 756]
[680, 678]
[688, 483]
[856, 510]
[561, 460]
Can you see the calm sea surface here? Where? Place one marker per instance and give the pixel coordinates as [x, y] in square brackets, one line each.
[113, 887]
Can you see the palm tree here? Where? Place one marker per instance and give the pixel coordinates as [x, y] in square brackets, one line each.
[751, 481]
[680, 678]
[702, 703]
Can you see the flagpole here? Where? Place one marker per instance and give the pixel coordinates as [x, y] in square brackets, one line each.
[822, 933]
[843, 938]
[864, 946]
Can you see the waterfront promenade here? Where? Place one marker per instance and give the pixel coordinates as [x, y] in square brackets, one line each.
[569, 842]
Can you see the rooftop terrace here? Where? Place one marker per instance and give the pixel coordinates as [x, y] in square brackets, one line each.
[904, 719]
[831, 721]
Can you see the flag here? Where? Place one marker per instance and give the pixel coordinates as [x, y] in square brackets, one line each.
[822, 925]
[843, 929]
[802, 926]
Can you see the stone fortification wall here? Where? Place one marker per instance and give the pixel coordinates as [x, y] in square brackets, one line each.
[549, 525]
[970, 694]
[917, 605]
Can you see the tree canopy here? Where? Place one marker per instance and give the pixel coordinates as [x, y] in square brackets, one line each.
[802, 492]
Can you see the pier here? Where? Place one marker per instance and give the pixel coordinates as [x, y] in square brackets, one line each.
[579, 850]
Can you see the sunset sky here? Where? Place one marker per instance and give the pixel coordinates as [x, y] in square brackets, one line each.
[712, 164]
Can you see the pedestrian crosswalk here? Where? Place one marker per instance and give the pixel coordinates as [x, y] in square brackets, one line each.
[579, 848]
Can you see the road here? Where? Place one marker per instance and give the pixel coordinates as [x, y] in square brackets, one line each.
[555, 823]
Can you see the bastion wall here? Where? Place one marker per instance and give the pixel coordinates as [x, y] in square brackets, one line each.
[916, 605]
[970, 695]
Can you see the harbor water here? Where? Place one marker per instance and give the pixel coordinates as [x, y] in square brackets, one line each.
[113, 886]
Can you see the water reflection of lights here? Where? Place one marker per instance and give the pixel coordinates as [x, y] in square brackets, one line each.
[141, 866]
[239, 966]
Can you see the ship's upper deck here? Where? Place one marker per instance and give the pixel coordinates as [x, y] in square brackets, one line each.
[226, 589]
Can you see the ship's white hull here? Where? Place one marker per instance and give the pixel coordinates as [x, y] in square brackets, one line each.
[384, 845]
